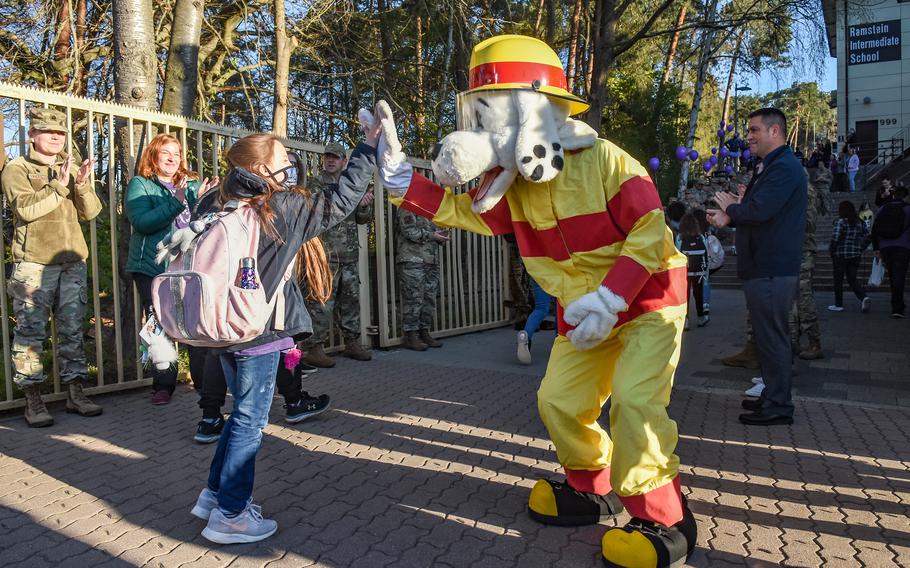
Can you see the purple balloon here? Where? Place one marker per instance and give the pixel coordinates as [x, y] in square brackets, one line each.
[713, 150]
[681, 153]
[722, 123]
[747, 154]
[720, 133]
[724, 152]
[736, 135]
[693, 154]
[729, 169]
[654, 163]
[707, 167]
[713, 160]
[729, 128]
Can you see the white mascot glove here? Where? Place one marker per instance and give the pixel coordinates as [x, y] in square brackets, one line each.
[593, 316]
[394, 169]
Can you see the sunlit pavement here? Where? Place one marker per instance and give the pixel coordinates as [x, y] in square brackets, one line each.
[427, 459]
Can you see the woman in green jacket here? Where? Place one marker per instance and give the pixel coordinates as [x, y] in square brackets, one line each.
[159, 200]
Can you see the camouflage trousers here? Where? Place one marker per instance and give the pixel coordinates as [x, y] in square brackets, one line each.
[342, 307]
[36, 291]
[519, 285]
[803, 321]
[418, 286]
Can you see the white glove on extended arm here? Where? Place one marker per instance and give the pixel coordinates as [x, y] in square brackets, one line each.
[593, 316]
[394, 169]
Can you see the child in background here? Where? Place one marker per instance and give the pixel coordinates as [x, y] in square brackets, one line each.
[691, 242]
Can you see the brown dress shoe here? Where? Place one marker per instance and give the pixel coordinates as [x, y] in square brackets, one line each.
[425, 337]
[411, 341]
[316, 357]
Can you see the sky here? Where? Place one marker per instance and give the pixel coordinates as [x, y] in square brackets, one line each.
[767, 81]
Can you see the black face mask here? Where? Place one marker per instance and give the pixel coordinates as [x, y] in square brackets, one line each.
[288, 177]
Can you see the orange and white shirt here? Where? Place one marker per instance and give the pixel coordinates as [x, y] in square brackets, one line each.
[599, 222]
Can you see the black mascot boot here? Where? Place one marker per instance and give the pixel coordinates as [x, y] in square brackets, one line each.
[556, 503]
[644, 543]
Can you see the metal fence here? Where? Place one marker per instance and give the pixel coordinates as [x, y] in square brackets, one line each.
[472, 268]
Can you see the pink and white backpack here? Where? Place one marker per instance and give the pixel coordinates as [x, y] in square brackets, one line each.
[197, 299]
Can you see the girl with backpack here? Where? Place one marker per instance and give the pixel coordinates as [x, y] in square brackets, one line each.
[692, 243]
[263, 177]
[159, 201]
[849, 240]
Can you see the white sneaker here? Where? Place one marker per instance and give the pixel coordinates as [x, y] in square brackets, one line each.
[867, 305]
[833, 308]
[757, 381]
[207, 501]
[248, 526]
[524, 348]
[756, 390]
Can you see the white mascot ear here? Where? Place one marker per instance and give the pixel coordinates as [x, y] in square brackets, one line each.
[538, 148]
[576, 135]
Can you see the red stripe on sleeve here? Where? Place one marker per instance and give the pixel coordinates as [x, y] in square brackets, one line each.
[423, 197]
[626, 278]
[499, 218]
[636, 197]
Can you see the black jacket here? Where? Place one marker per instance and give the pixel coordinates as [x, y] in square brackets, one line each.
[771, 220]
[297, 219]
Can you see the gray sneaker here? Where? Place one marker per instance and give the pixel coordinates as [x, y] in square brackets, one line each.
[248, 526]
[524, 348]
[207, 501]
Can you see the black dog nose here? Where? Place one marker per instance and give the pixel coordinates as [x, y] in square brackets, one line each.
[435, 151]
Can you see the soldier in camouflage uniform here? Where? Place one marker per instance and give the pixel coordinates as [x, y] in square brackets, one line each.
[417, 259]
[342, 248]
[49, 192]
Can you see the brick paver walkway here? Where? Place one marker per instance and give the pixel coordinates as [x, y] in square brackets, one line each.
[427, 460]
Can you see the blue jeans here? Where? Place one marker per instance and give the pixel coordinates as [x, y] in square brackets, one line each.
[707, 290]
[541, 309]
[252, 382]
[852, 177]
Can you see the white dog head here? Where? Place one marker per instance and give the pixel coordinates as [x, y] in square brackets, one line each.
[506, 133]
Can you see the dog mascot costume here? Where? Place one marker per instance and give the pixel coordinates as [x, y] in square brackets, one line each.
[591, 231]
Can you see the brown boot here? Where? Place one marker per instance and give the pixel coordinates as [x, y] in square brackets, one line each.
[78, 403]
[36, 413]
[747, 358]
[814, 351]
[425, 337]
[316, 357]
[411, 341]
[354, 350]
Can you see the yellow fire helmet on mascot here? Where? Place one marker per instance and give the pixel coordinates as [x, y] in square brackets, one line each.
[515, 62]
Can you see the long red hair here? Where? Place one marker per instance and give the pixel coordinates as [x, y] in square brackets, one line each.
[147, 167]
[312, 264]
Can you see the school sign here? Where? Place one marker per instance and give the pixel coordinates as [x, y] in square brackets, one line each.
[874, 43]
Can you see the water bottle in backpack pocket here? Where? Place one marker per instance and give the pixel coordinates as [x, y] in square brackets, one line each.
[210, 296]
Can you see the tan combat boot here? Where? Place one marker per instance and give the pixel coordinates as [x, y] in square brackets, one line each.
[411, 341]
[316, 357]
[78, 403]
[814, 351]
[36, 413]
[354, 350]
[425, 337]
[747, 358]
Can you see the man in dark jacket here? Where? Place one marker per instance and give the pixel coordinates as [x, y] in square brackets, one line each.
[770, 219]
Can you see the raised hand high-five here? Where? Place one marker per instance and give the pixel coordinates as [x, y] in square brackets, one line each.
[394, 169]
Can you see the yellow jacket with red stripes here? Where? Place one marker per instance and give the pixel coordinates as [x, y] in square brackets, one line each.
[599, 222]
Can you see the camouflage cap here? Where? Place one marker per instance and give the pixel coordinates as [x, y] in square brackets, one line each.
[335, 149]
[46, 119]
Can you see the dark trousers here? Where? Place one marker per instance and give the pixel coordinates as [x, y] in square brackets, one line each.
[769, 301]
[897, 260]
[697, 287]
[214, 386]
[161, 379]
[849, 267]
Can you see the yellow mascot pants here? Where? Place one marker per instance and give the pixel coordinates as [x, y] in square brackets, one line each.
[634, 369]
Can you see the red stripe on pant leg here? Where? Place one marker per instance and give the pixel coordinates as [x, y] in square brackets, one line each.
[597, 481]
[662, 505]
[423, 197]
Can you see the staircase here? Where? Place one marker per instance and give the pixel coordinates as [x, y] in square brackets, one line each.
[824, 267]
